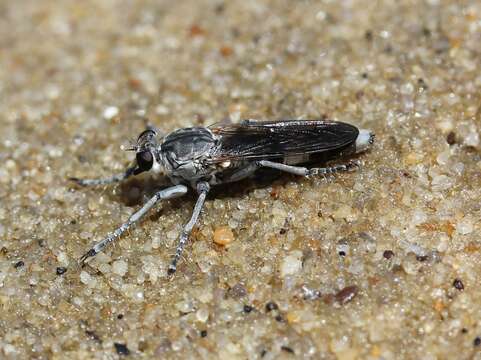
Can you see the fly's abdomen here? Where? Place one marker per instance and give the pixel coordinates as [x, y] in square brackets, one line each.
[318, 157]
[291, 141]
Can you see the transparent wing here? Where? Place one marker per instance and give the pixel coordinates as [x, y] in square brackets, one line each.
[253, 139]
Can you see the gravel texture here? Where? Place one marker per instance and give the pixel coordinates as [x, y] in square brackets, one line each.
[382, 263]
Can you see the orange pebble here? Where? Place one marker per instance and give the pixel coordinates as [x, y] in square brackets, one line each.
[223, 235]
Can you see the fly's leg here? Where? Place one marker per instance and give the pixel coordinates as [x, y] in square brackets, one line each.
[105, 181]
[350, 166]
[169, 193]
[303, 171]
[203, 189]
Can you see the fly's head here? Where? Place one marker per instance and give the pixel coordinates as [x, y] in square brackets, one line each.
[147, 150]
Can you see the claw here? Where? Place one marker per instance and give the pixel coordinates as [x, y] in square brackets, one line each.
[88, 254]
[353, 164]
[77, 181]
[171, 270]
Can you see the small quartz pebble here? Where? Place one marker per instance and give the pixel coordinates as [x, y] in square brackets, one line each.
[464, 226]
[110, 112]
[134, 292]
[120, 267]
[202, 315]
[223, 235]
[87, 279]
[441, 182]
[62, 258]
[292, 263]
[310, 294]
[472, 139]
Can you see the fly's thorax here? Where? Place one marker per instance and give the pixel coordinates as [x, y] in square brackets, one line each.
[188, 144]
[184, 153]
[190, 170]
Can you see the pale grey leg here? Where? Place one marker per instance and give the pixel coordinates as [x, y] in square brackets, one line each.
[303, 171]
[202, 188]
[105, 181]
[168, 193]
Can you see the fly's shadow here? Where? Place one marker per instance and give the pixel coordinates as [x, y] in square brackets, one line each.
[261, 179]
[136, 191]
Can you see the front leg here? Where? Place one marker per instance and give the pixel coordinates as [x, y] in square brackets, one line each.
[203, 189]
[105, 181]
[169, 193]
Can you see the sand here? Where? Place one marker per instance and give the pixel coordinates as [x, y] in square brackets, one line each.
[381, 263]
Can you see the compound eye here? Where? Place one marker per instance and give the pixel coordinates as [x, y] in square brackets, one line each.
[145, 160]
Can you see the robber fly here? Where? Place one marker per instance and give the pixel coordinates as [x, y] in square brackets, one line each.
[202, 157]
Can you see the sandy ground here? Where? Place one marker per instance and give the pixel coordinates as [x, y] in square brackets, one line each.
[382, 263]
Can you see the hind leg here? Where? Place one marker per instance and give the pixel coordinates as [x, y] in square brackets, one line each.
[303, 171]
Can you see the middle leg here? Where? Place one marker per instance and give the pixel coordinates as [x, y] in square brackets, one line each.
[203, 189]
